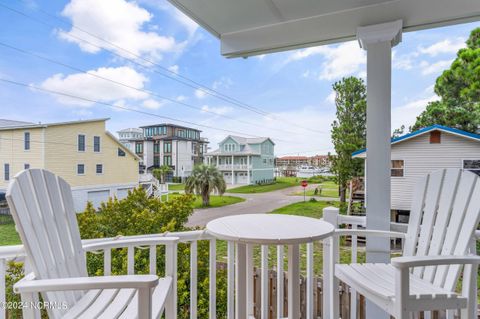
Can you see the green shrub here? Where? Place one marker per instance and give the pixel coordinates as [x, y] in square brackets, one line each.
[138, 214]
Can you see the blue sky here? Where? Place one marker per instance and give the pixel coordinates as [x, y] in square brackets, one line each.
[294, 87]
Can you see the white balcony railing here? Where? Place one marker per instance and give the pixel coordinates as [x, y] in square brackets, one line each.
[235, 167]
[311, 305]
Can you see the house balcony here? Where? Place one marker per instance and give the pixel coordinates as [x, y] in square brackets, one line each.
[235, 167]
[222, 275]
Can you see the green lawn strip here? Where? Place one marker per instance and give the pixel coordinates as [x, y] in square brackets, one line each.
[215, 201]
[8, 235]
[312, 209]
[280, 183]
[326, 192]
[250, 189]
[176, 187]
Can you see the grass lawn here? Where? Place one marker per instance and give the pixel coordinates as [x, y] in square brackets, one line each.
[326, 192]
[8, 235]
[176, 187]
[308, 208]
[280, 183]
[215, 201]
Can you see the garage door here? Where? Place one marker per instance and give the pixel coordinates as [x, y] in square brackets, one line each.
[97, 197]
[242, 178]
[123, 192]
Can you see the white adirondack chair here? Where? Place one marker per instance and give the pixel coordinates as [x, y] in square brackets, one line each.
[42, 207]
[444, 216]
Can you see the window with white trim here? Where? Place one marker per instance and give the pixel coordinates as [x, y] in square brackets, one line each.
[6, 172]
[80, 169]
[96, 144]
[26, 141]
[81, 143]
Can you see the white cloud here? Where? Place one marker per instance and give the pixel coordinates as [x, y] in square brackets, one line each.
[119, 22]
[174, 68]
[306, 74]
[223, 82]
[341, 60]
[428, 68]
[181, 98]
[190, 25]
[261, 56]
[93, 88]
[331, 97]
[407, 113]
[152, 104]
[200, 94]
[404, 61]
[448, 46]
[218, 110]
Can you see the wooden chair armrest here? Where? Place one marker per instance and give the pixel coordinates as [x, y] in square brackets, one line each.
[367, 232]
[125, 242]
[420, 261]
[30, 284]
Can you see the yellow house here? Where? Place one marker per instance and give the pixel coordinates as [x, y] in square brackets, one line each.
[88, 157]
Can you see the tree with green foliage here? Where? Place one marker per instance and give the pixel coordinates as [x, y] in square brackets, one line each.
[204, 180]
[348, 130]
[459, 92]
[161, 173]
[398, 131]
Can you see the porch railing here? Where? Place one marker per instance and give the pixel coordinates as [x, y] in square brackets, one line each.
[227, 167]
[263, 264]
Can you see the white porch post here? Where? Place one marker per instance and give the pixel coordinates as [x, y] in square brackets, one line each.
[217, 160]
[378, 41]
[248, 169]
[233, 176]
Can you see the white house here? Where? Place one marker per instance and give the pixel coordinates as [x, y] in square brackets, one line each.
[424, 151]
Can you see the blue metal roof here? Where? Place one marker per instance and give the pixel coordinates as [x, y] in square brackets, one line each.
[425, 130]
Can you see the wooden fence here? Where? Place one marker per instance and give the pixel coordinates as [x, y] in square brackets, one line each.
[317, 297]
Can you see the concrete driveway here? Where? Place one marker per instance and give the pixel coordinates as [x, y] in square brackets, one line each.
[259, 203]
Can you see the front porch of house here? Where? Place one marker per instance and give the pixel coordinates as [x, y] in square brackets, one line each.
[207, 288]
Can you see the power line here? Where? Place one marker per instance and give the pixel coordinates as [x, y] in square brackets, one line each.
[38, 56]
[207, 90]
[127, 108]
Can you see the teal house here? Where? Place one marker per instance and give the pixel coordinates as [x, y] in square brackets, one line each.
[244, 160]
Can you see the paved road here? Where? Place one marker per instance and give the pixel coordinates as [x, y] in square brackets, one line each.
[260, 203]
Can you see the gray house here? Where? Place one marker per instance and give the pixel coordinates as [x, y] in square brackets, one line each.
[244, 160]
[423, 151]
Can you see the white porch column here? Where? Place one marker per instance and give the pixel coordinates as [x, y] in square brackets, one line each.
[217, 161]
[378, 41]
[248, 169]
[233, 176]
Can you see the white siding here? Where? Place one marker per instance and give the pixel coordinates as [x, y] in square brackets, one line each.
[148, 153]
[97, 194]
[182, 158]
[420, 157]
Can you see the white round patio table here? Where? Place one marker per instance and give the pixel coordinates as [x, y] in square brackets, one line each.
[244, 231]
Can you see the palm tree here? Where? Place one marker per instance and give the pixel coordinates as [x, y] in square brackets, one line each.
[161, 172]
[203, 181]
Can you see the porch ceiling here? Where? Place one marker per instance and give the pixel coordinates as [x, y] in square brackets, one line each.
[251, 27]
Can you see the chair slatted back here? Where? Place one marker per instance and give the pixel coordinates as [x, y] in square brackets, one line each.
[42, 207]
[444, 216]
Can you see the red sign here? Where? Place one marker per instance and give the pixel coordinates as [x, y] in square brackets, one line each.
[304, 183]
